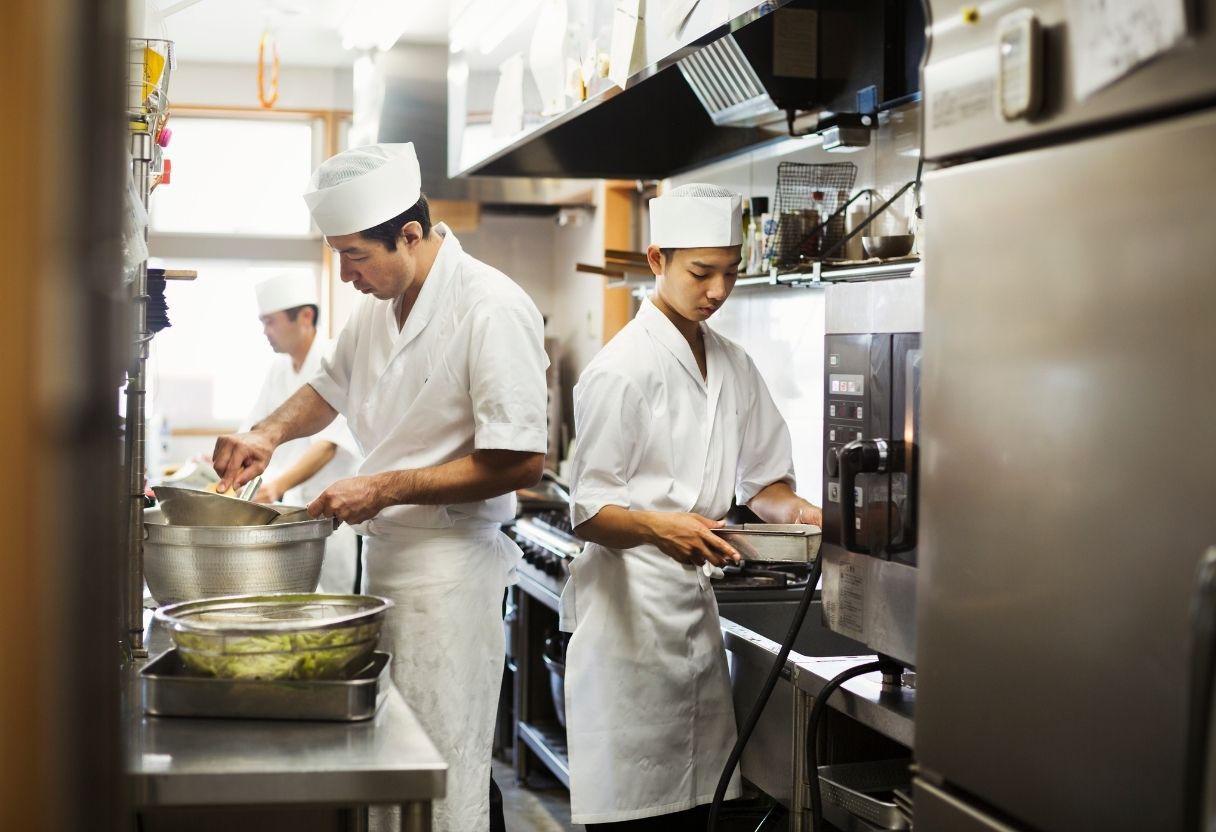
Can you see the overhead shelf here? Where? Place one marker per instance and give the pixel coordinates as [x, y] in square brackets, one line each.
[816, 274]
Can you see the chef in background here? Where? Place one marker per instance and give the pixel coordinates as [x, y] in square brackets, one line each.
[440, 372]
[671, 421]
[289, 309]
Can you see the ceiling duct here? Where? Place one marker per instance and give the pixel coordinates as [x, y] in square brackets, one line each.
[415, 109]
[738, 87]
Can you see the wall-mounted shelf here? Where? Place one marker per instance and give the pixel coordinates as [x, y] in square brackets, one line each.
[805, 279]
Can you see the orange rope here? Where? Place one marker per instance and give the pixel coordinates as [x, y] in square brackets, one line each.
[274, 71]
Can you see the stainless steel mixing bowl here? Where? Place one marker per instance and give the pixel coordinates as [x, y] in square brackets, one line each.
[183, 563]
[189, 507]
[288, 636]
[894, 245]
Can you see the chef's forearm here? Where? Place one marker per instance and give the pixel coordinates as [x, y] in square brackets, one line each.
[304, 414]
[316, 457]
[777, 503]
[618, 528]
[479, 476]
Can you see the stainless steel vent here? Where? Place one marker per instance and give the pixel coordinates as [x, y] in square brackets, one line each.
[726, 85]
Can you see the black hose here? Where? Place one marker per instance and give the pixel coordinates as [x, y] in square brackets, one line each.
[753, 717]
[812, 732]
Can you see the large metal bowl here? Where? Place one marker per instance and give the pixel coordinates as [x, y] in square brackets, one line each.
[288, 636]
[894, 245]
[183, 563]
[189, 507]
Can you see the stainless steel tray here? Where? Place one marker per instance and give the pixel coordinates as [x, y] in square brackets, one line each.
[865, 790]
[169, 688]
[773, 542]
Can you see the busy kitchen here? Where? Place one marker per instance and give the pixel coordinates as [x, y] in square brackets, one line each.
[609, 415]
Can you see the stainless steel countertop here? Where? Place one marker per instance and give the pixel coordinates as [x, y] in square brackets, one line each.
[173, 761]
[862, 698]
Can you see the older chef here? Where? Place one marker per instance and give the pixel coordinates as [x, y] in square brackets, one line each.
[440, 372]
[672, 421]
[288, 308]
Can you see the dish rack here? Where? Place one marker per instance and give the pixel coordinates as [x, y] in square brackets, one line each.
[809, 214]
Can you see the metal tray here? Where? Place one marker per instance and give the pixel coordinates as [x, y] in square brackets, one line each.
[169, 688]
[857, 788]
[773, 542]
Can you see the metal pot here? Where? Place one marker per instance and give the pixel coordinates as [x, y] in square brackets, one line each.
[182, 563]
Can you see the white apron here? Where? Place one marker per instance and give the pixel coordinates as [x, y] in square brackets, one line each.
[446, 637]
[650, 719]
[467, 371]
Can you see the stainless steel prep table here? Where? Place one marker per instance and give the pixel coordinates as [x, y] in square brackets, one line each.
[173, 762]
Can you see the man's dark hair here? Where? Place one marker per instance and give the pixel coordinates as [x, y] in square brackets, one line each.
[388, 231]
[667, 252]
[294, 312]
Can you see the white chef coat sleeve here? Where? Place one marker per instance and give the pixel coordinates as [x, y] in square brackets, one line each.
[332, 381]
[507, 364]
[611, 421]
[766, 454]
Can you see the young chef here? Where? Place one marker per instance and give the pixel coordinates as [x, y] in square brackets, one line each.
[672, 421]
[288, 307]
[440, 372]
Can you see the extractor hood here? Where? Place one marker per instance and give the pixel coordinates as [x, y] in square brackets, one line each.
[415, 109]
[737, 87]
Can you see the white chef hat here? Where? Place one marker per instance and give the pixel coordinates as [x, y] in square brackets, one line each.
[362, 187]
[697, 216]
[286, 290]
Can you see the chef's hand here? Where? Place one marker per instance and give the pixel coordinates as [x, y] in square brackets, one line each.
[239, 457]
[352, 500]
[686, 538]
[808, 513]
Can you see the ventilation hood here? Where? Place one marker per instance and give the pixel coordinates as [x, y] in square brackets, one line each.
[752, 81]
[415, 109]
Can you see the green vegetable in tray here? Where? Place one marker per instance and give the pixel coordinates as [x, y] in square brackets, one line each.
[307, 655]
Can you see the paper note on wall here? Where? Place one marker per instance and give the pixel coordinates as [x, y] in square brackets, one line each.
[1110, 38]
[507, 117]
[673, 15]
[624, 40]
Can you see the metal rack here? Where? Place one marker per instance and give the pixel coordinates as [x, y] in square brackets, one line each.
[149, 66]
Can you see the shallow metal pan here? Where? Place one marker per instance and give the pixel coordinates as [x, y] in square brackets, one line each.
[169, 688]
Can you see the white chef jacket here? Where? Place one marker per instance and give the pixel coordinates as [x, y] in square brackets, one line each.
[466, 373]
[280, 384]
[650, 720]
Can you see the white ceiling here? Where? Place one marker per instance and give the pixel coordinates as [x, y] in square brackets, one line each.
[306, 31]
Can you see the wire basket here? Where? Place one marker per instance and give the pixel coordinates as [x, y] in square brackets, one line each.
[809, 210]
[150, 62]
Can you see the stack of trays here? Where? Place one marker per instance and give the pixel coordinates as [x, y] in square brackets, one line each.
[158, 309]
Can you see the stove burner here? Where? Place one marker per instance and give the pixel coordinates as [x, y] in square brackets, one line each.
[558, 520]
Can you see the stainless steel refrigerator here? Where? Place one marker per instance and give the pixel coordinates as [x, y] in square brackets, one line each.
[1068, 411]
